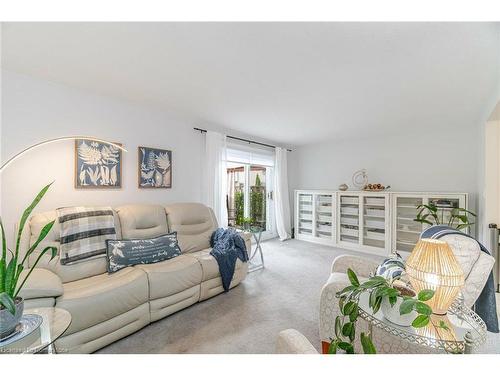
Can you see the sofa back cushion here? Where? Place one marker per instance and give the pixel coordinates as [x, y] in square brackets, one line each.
[142, 221]
[194, 224]
[67, 273]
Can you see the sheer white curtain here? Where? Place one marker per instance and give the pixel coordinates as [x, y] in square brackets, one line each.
[215, 176]
[281, 197]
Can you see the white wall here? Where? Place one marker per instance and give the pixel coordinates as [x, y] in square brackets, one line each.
[36, 110]
[437, 161]
[489, 187]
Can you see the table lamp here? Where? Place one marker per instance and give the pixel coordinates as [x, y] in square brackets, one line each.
[432, 265]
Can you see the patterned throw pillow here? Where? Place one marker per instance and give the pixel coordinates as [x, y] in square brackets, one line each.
[391, 268]
[124, 253]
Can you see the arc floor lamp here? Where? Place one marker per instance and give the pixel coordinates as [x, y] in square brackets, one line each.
[66, 138]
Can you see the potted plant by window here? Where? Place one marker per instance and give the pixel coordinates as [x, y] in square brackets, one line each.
[12, 265]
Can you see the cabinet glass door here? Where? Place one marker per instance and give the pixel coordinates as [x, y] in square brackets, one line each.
[305, 214]
[374, 221]
[445, 206]
[407, 230]
[324, 216]
[349, 218]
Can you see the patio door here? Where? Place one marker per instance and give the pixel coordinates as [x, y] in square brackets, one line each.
[250, 196]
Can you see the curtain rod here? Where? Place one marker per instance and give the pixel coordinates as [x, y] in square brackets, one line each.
[242, 139]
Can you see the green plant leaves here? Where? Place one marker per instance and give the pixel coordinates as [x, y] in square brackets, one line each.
[8, 302]
[332, 349]
[353, 316]
[407, 306]
[425, 294]
[349, 307]
[347, 347]
[27, 212]
[367, 344]
[423, 308]
[41, 236]
[420, 321]
[352, 277]
[443, 325]
[347, 329]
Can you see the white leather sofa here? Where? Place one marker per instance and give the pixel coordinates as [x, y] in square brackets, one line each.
[475, 264]
[107, 307]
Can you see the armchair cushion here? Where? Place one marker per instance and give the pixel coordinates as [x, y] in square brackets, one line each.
[362, 266]
[291, 341]
[42, 283]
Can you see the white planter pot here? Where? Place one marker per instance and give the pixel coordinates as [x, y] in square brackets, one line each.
[391, 313]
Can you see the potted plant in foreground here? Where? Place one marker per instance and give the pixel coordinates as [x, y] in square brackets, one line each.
[11, 304]
[392, 297]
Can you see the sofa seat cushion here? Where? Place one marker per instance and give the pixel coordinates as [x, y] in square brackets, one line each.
[172, 276]
[99, 298]
[209, 264]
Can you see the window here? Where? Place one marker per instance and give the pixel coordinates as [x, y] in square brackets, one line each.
[249, 186]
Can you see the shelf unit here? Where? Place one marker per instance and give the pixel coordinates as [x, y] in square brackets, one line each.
[372, 222]
[406, 232]
[315, 219]
[364, 221]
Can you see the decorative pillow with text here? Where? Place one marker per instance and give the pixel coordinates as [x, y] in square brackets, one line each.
[124, 253]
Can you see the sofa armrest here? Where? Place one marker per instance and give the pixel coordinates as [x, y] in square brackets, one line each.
[42, 283]
[291, 341]
[362, 266]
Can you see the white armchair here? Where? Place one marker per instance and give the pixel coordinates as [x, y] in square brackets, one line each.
[291, 341]
[475, 264]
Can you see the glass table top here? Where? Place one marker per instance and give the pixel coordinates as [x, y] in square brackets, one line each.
[55, 322]
[465, 326]
[251, 229]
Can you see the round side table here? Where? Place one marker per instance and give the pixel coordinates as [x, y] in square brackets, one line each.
[55, 322]
[466, 330]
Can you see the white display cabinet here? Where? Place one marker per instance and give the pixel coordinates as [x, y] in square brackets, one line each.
[372, 222]
[315, 216]
[406, 231]
[364, 221]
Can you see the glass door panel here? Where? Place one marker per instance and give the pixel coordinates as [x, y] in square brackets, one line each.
[258, 196]
[236, 186]
[249, 196]
[349, 218]
[444, 205]
[305, 214]
[407, 230]
[324, 216]
[374, 221]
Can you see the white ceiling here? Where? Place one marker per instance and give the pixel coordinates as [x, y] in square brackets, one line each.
[292, 83]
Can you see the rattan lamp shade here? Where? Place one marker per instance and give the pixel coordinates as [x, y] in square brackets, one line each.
[432, 265]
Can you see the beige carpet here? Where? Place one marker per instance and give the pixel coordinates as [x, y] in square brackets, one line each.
[248, 318]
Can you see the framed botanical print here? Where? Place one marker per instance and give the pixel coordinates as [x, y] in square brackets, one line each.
[97, 165]
[155, 168]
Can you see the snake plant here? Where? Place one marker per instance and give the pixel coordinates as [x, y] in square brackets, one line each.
[10, 270]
